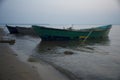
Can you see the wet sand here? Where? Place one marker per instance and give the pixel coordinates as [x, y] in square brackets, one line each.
[11, 68]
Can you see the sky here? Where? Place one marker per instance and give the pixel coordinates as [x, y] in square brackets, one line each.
[59, 11]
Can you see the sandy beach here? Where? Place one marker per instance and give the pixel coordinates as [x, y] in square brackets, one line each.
[11, 68]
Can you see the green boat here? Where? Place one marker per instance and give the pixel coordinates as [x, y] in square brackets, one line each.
[70, 34]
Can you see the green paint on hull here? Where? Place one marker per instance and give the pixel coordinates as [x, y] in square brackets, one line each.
[51, 33]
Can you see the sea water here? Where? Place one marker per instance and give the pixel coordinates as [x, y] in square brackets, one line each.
[96, 60]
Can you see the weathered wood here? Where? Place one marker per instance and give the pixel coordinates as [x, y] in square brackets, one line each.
[7, 40]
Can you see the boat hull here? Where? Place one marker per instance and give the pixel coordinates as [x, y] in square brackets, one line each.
[21, 30]
[25, 30]
[62, 34]
[12, 30]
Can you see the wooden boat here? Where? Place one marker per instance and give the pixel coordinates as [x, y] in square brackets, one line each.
[25, 30]
[21, 30]
[12, 29]
[69, 34]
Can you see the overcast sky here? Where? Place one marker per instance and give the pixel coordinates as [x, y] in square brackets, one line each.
[59, 11]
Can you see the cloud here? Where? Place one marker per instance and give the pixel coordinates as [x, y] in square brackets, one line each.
[1, 1]
[119, 2]
[60, 11]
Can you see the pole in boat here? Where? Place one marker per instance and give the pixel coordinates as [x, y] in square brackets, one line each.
[87, 36]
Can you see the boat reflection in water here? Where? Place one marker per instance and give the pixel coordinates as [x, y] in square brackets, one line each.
[53, 52]
[45, 46]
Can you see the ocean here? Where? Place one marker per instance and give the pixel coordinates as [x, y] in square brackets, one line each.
[95, 60]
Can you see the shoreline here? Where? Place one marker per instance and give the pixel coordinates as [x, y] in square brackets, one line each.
[67, 73]
[12, 68]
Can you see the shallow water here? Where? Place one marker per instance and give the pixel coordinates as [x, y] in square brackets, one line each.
[96, 60]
